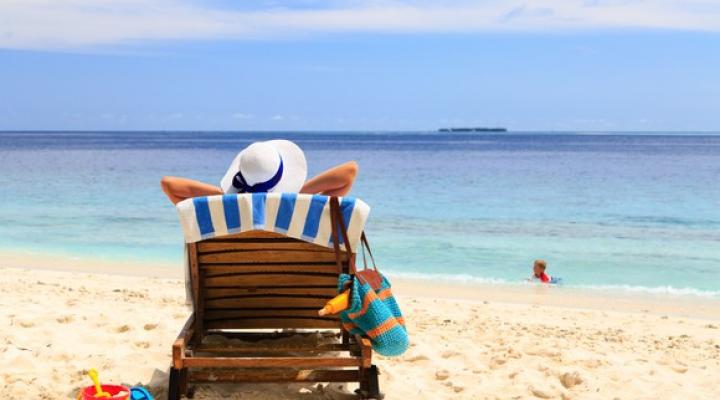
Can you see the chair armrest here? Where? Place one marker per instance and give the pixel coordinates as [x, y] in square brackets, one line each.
[178, 347]
[365, 350]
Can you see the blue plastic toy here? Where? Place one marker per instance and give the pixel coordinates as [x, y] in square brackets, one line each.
[140, 393]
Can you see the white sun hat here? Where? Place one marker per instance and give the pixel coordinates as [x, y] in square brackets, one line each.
[271, 166]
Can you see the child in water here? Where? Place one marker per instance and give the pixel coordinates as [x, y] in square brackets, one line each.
[539, 272]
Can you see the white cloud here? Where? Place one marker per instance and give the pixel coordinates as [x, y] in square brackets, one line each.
[68, 24]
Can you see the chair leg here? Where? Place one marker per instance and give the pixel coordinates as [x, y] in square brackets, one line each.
[370, 384]
[174, 383]
[185, 388]
[374, 383]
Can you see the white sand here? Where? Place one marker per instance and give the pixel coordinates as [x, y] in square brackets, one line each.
[468, 342]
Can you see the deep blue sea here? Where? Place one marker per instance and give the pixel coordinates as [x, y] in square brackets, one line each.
[606, 210]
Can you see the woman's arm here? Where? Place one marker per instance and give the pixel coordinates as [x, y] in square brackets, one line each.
[336, 181]
[179, 189]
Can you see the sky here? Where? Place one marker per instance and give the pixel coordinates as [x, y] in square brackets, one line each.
[587, 65]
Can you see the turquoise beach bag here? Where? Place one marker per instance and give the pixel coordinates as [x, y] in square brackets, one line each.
[372, 311]
[374, 314]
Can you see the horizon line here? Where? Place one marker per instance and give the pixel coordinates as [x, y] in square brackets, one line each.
[371, 131]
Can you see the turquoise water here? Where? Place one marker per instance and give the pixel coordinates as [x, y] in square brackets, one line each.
[633, 211]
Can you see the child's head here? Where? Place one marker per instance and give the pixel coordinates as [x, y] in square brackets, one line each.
[539, 267]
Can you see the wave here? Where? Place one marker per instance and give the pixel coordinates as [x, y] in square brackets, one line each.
[449, 278]
[657, 290]
[651, 290]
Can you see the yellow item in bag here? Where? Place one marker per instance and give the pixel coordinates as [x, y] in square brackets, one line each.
[337, 304]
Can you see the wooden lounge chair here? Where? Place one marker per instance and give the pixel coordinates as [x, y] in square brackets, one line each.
[264, 287]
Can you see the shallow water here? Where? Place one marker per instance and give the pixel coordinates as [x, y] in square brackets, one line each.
[633, 211]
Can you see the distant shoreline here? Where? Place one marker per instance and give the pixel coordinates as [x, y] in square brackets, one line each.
[687, 305]
[474, 130]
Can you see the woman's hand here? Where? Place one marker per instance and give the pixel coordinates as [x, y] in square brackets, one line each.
[336, 181]
[179, 189]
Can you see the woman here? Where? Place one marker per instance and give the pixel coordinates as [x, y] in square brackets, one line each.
[271, 166]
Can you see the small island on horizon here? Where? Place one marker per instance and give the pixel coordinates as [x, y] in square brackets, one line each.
[476, 129]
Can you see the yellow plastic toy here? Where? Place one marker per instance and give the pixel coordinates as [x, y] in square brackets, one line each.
[98, 391]
[337, 304]
[93, 374]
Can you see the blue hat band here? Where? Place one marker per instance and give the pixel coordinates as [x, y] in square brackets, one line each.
[242, 186]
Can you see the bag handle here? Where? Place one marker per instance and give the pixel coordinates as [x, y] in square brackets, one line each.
[338, 223]
[366, 245]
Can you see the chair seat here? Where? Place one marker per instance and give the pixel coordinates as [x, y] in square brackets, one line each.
[225, 375]
[261, 362]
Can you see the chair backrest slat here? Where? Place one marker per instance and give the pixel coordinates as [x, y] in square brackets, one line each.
[264, 280]
[228, 268]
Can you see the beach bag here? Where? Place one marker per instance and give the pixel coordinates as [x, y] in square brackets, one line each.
[373, 311]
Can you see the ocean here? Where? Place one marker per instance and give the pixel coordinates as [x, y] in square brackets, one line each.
[618, 211]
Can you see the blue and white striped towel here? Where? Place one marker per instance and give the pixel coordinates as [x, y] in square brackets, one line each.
[300, 216]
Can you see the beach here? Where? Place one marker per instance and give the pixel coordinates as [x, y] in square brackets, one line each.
[467, 341]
